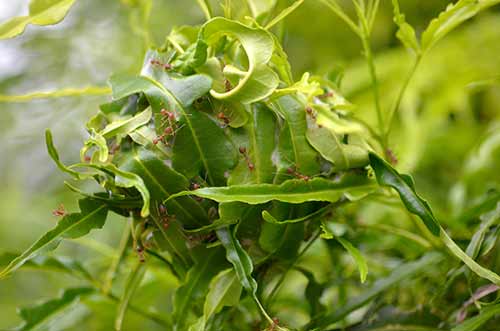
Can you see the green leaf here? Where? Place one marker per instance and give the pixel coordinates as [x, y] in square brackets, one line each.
[388, 176]
[66, 92]
[49, 263]
[294, 150]
[145, 136]
[212, 155]
[41, 12]
[454, 15]
[403, 272]
[242, 263]
[162, 181]
[55, 156]
[329, 145]
[403, 184]
[467, 260]
[195, 286]
[259, 143]
[213, 152]
[487, 221]
[257, 81]
[474, 323]
[406, 33]
[131, 286]
[123, 179]
[353, 251]
[41, 315]
[291, 191]
[357, 256]
[126, 126]
[92, 216]
[224, 291]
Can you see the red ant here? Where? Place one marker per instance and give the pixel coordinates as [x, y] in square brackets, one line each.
[140, 252]
[165, 66]
[87, 158]
[294, 172]
[221, 116]
[327, 95]
[60, 211]
[165, 217]
[392, 157]
[114, 149]
[243, 151]
[228, 85]
[169, 130]
[195, 186]
[310, 112]
[167, 114]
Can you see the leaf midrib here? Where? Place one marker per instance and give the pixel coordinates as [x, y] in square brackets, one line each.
[189, 124]
[168, 194]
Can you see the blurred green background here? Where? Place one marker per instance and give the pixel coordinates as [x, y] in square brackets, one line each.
[447, 135]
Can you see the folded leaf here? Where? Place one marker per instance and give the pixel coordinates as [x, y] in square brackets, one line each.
[259, 80]
[162, 181]
[92, 216]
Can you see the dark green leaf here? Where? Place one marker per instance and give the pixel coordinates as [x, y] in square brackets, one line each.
[196, 284]
[388, 176]
[162, 181]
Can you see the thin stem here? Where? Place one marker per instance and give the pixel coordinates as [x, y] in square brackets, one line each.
[338, 11]
[227, 9]
[375, 85]
[111, 273]
[287, 11]
[401, 94]
[278, 285]
[205, 8]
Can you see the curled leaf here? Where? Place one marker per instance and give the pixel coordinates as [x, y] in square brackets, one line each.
[257, 81]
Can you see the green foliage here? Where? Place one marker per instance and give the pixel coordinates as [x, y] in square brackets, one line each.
[41, 12]
[232, 180]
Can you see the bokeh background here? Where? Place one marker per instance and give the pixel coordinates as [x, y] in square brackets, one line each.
[447, 135]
